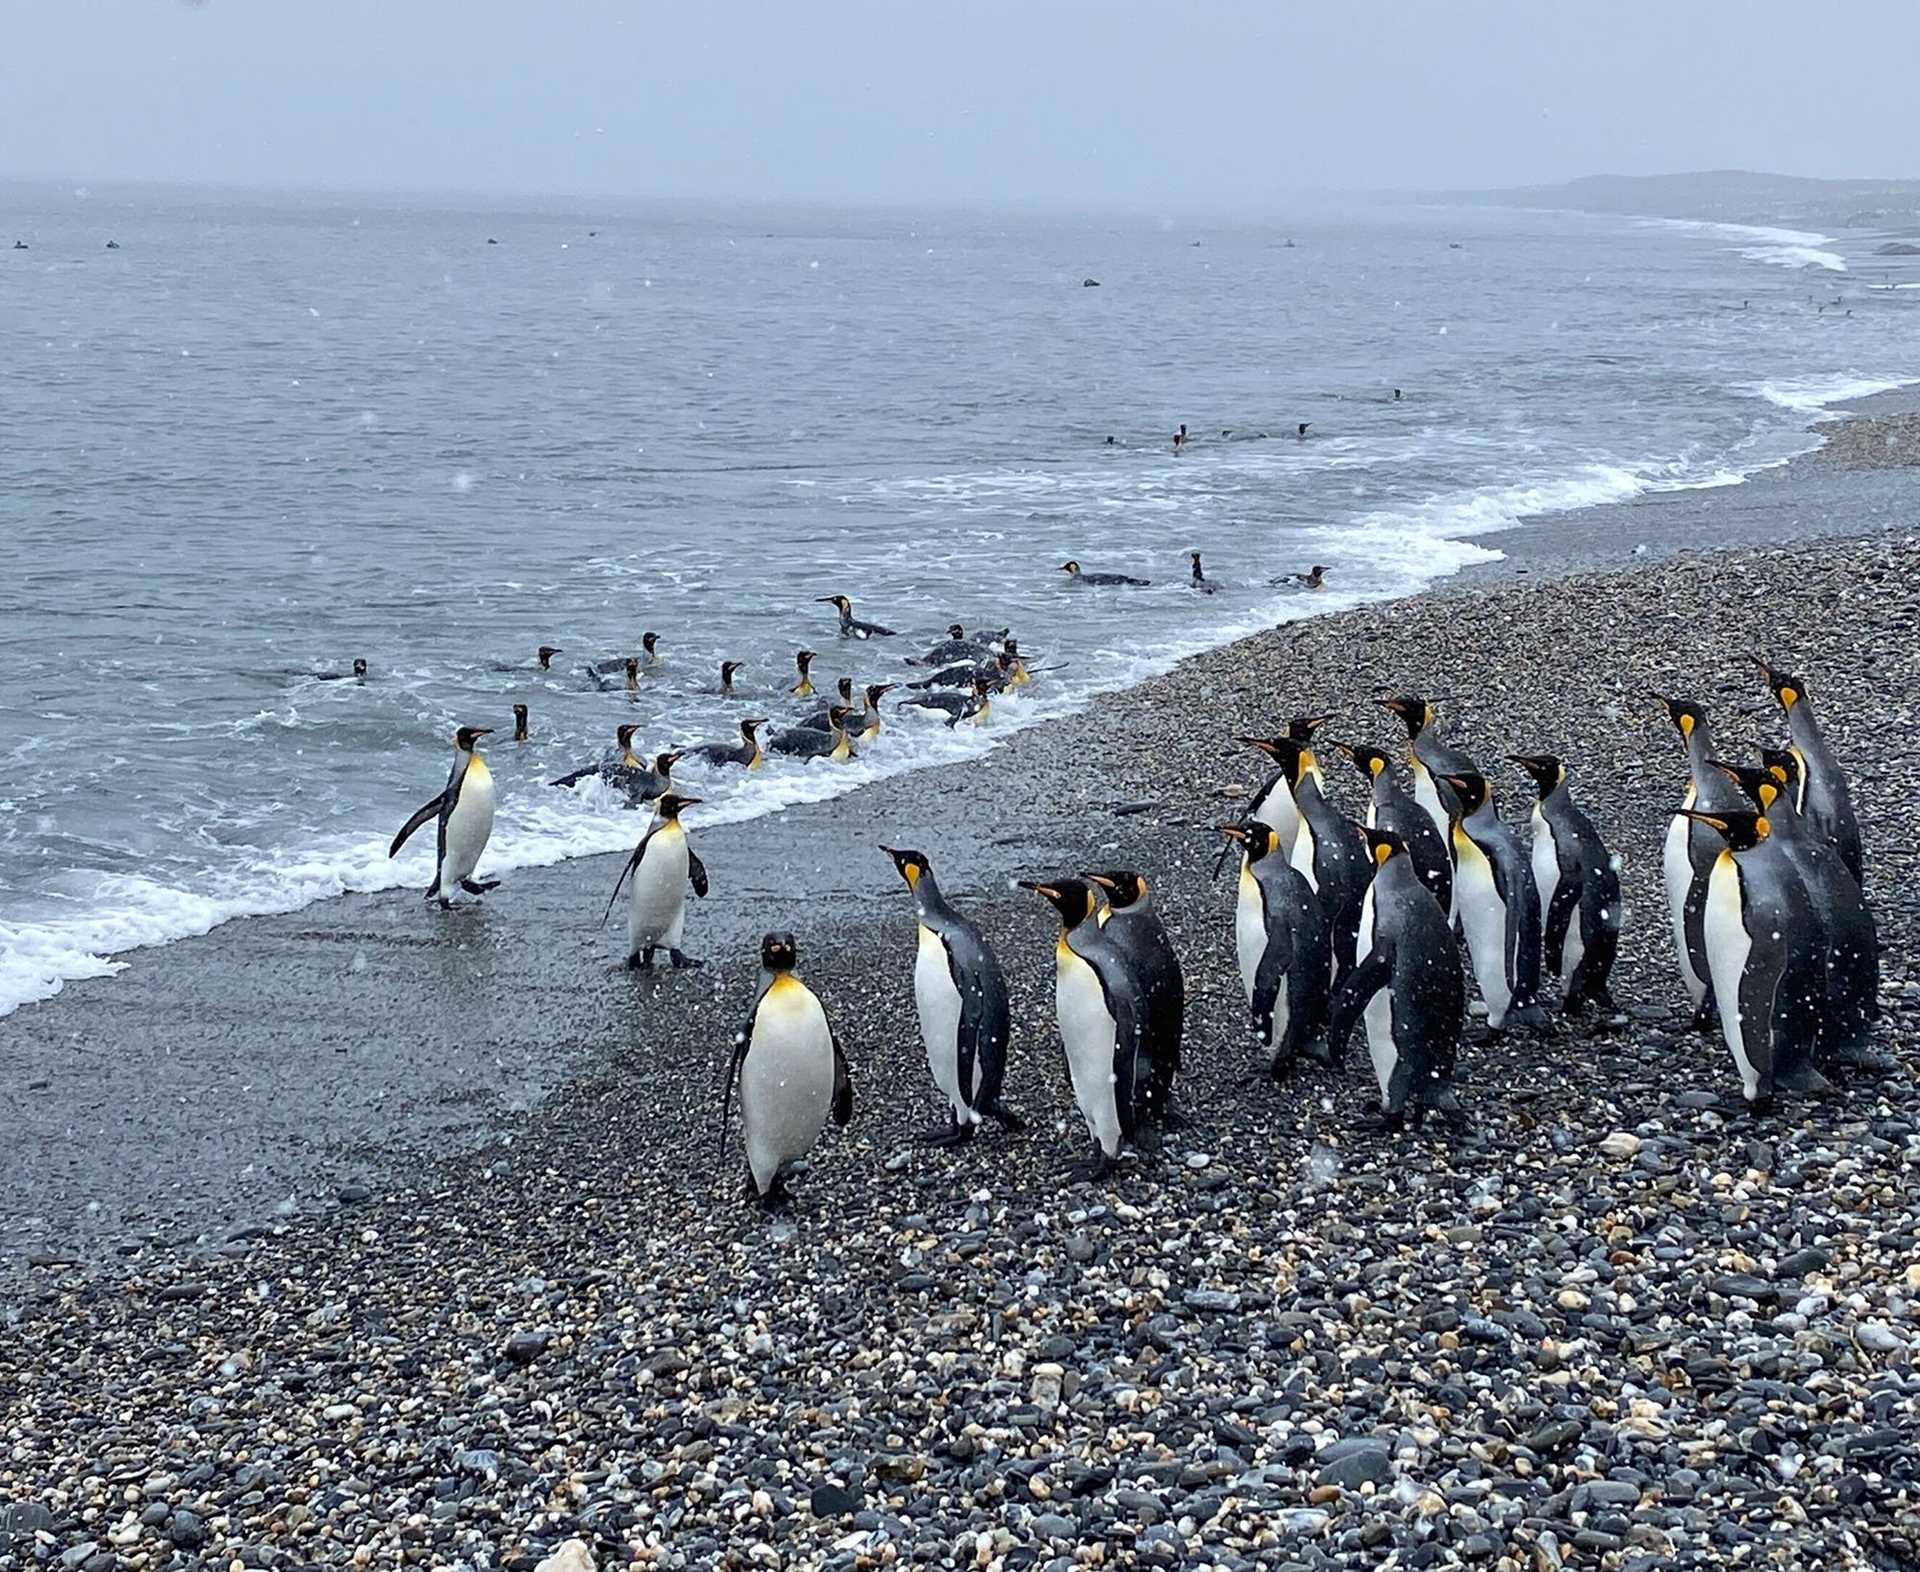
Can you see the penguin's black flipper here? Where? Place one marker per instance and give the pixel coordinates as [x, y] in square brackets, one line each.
[842, 1085]
[1363, 982]
[1560, 913]
[742, 1039]
[697, 873]
[633, 862]
[1275, 962]
[576, 776]
[429, 811]
[1132, 1060]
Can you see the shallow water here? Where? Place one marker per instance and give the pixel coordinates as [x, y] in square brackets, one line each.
[264, 437]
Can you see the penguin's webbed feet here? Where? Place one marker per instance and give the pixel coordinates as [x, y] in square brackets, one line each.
[479, 886]
[949, 1134]
[639, 961]
[683, 962]
[1007, 1119]
[1381, 1120]
[1706, 1016]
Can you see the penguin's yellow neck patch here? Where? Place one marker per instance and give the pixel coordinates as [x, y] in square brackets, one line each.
[477, 769]
[803, 688]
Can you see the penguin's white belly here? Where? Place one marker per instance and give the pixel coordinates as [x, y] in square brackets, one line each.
[1546, 865]
[1677, 868]
[468, 826]
[1484, 918]
[1087, 1029]
[1378, 1015]
[1250, 930]
[1279, 811]
[1302, 857]
[938, 1001]
[786, 1080]
[657, 908]
[1427, 794]
[1728, 945]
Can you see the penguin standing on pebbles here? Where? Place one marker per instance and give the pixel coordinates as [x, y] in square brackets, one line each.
[661, 867]
[1430, 758]
[961, 995]
[1690, 852]
[1390, 808]
[1766, 964]
[1499, 909]
[1328, 848]
[1274, 803]
[1578, 884]
[1406, 985]
[1280, 935]
[465, 811]
[791, 1072]
[1825, 802]
[1132, 923]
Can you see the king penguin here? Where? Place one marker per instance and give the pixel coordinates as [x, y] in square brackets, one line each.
[1499, 910]
[1390, 808]
[1766, 964]
[1430, 758]
[961, 995]
[1825, 802]
[662, 866]
[465, 811]
[1691, 849]
[1578, 883]
[1131, 922]
[1406, 985]
[791, 1072]
[1100, 1008]
[1328, 848]
[1273, 803]
[1280, 935]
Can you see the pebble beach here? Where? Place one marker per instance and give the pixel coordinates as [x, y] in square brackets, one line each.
[1617, 1326]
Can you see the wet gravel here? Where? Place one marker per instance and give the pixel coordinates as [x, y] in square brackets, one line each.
[1872, 442]
[1615, 1327]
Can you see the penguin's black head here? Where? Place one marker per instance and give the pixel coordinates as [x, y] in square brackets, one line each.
[1782, 763]
[840, 603]
[982, 686]
[1302, 727]
[1787, 689]
[663, 763]
[1470, 787]
[1411, 708]
[467, 736]
[1070, 566]
[1370, 762]
[749, 727]
[1194, 558]
[912, 864]
[1255, 836]
[359, 666]
[778, 952]
[845, 685]
[803, 659]
[1287, 752]
[1759, 783]
[956, 630]
[1743, 828]
[633, 666]
[1383, 846]
[1684, 714]
[623, 733]
[1547, 771]
[1071, 898]
[520, 710]
[546, 652]
[1012, 647]
[1123, 886]
[648, 641]
[672, 805]
[839, 714]
[728, 668]
[876, 691]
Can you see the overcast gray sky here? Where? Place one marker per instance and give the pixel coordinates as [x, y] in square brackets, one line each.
[1213, 102]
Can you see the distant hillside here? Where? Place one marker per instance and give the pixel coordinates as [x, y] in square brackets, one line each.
[1731, 196]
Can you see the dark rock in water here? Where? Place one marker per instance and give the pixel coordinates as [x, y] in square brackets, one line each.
[830, 1500]
[1089, 283]
[1897, 248]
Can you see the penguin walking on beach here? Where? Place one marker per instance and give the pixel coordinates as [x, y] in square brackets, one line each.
[790, 1070]
[1577, 881]
[1499, 909]
[1825, 803]
[1690, 851]
[1429, 759]
[464, 809]
[1130, 921]
[1407, 986]
[961, 995]
[1852, 940]
[1390, 808]
[1328, 848]
[1283, 947]
[661, 867]
[1101, 1011]
[1764, 955]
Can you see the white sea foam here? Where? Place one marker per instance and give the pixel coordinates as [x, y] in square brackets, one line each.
[1813, 395]
[1795, 248]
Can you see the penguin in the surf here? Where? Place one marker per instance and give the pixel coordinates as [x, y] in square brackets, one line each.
[1691, 849]
[803, 742]
[464, 810]
[661, 868]
[1130, 920]
[521, 731]
[1283, 947]
[961, 995]
[1577, 881]
[1825, 803]
[851, 627]
[803, 664]
[1407, 986]
[790, 1070]
[746, 752]
[1390, 808]
[1198, 578]
[1765, 957]
[1100, 1008]
[1429, 758]
[1327, 848]
[1499, 909]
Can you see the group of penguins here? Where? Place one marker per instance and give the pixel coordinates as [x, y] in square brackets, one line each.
[1337, 924]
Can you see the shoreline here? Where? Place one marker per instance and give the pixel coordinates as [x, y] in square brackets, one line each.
[113, 1168]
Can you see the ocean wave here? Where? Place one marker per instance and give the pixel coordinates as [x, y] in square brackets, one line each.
[1813, 395]
[1795, 248]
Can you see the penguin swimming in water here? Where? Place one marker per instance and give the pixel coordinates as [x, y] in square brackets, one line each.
[850, 626]
[1072, 571]
[1390, 808]
[464, 809]
[520, 731]
[956, 646]
[544, 656]
[975, 706]
[358, 674]
[624, 772]
[746, 752]
[661, 867]
[652, 659]
[803, 663]
[1327, 847]
[1316, 579]
[1690, 851]
[1764, 956]
[833, 744]
[791, 1073]
[1844, 1033]
[1499, 908]
[1577, 881]
[1131, 922]
[961, 995]
[727, 669]
[1406, 985]
[1199, 579]
[1100, 1009]
[820, 719]
[867, 727]
[1281, 939]
[1825, 803]
[1430, 758]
